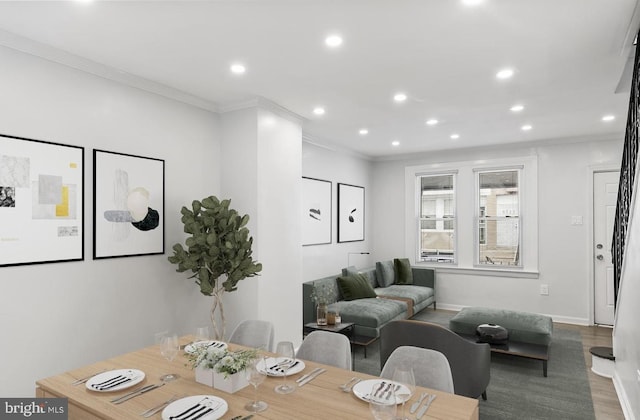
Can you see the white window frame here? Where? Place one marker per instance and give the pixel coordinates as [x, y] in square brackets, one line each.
[465, 230]
[418, 253]
[477, 172]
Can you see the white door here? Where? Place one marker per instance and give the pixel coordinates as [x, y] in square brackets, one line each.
[605, 195]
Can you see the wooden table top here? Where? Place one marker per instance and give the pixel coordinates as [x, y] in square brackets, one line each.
[318, 399]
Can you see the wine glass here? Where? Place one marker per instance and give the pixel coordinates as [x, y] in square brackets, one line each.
[284, 349]
[383, 406]
[202, 334]
[406, 383]
[255, 376]
[169, 348]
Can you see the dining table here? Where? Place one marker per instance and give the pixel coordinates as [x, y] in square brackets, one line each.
[320, 398]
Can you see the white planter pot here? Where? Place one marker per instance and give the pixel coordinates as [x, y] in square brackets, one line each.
[205, 376]
[231, 384]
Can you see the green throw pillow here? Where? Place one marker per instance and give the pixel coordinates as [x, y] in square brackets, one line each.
[355, 287]
[403, 272]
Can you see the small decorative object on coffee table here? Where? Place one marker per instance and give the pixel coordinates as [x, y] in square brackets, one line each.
[321, 314]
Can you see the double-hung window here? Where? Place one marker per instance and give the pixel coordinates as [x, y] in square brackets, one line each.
[437, 218]
[498, 230]
[479, 215]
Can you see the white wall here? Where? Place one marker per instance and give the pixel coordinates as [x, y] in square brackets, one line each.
[58, 317]
[338, 167]
[626, 335]
[261, 174]
[564, 173]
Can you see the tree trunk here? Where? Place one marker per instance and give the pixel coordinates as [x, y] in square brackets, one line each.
[217, 305]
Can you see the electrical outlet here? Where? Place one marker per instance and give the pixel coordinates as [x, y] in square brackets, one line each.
[544, 289]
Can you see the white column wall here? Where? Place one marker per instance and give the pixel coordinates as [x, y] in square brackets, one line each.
[261, 173]
[58, 317]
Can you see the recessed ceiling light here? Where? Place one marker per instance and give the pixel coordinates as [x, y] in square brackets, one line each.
[432, 121]
[472, 2]
[504, 74]
[526, 127]
[318, 110]
[454, 136]
[517, 108]
[238, 68]
[333, 41]
[400, 97]
[395, 143]
[363, 132]
[608, 118]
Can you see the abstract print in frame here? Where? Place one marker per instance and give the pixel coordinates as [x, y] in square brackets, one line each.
[350, 213]
[41, 201]
[316, 211]
[128, 205]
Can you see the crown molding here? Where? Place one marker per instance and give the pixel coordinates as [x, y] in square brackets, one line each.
[55, 55]
[264, 103]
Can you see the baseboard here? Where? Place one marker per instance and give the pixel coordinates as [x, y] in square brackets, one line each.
[556, 318]
[622, 398]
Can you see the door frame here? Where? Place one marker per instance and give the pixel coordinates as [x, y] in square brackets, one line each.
[590, 251]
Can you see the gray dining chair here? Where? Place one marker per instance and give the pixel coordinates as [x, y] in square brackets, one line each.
[469, 362]
[326, 347]
[430, 368]
[253, 333]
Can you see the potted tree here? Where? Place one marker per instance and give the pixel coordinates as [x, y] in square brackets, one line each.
[218, 252]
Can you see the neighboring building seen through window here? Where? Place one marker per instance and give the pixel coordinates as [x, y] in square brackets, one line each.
[498, 220]
[437, 218]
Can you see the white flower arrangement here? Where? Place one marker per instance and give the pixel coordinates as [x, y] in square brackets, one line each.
[221, 360]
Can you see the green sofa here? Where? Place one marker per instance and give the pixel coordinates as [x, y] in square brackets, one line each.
[371, 314]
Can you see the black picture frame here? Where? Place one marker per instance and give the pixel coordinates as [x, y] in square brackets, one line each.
[351, 213]
[316, 211]
[128, 205]
[41, 201]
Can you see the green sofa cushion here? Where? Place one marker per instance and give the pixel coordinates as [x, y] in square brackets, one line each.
[355, 287]
[370, 312]
[403, 273]
[416, 293]
[385, 273]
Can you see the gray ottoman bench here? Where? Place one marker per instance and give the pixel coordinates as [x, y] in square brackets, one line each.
[529, 333]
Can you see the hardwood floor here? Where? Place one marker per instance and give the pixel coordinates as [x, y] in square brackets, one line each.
[605, 400]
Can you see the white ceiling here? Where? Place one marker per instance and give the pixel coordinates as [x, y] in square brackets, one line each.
[568, 55]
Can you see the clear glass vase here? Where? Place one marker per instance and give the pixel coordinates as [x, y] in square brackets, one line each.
[321, 314]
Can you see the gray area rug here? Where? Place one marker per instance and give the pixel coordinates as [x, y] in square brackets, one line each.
[517, 389]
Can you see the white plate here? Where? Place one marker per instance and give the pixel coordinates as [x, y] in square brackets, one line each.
[271, 361]
[363, 389]
[135, 375]
[178, 407]
[191, 347]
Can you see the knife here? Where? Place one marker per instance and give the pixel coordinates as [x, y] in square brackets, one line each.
[425, 407]
[136, 393]
[416, 404]
[306, 375]
[312, 377]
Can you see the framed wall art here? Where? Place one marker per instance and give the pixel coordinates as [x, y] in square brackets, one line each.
[41, 201]
[128, 205]
[316, 211]
[350, 213]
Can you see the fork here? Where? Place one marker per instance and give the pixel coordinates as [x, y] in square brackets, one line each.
[350, 384]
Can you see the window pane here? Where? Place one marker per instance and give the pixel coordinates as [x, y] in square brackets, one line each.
[499, 193]
[501, 242]
[436, 246]
[437, 218]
